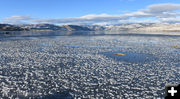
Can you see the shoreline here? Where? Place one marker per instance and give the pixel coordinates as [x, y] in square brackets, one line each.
[88, 33]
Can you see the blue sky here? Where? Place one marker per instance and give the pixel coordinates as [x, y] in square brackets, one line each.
[48, 10]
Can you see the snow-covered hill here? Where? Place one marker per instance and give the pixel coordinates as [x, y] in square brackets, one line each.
[134, 27]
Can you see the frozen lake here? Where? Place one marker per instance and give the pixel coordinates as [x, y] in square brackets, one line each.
[53, 65]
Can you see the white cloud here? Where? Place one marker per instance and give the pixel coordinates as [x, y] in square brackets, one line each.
[175, 20]
[163, 10]
[158, 11]
[159, 8]
[17, 19]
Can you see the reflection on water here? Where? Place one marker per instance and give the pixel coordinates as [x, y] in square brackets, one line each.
[85, 66]
[45, 44]
[62, 95]
[130, 57]
[20, 35]
[127, 56]
[107, 47]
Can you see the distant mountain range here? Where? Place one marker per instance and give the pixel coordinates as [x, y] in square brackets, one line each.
[134, 27]
[8, 27]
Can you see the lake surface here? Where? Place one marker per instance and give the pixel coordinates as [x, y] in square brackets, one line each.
[53, 65]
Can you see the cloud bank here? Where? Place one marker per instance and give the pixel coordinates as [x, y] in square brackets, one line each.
[158, 12]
